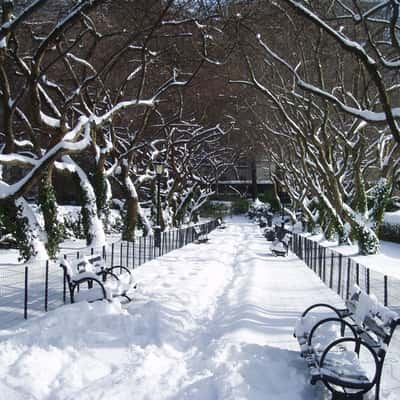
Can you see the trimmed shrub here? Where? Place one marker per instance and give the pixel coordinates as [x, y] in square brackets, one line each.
[390, 232]
[213, 210]
[240, 206]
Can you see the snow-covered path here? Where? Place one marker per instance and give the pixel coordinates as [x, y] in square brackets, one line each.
[211, 321]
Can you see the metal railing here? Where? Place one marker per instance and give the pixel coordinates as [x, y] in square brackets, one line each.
[341, 272]
[31, 290]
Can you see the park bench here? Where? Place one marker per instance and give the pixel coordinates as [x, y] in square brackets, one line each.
[221, 224]
[262, 222]
[270, 234]
[346, 350]
[281, 247]
[102, 282]
[200, 235]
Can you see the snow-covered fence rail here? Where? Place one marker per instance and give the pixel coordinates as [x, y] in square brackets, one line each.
[341, 272]
[31, 290]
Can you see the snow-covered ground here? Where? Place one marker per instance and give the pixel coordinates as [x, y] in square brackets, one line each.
[211, 321]
[385, 262]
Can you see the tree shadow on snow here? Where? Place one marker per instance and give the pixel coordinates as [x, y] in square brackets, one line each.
[252, 372]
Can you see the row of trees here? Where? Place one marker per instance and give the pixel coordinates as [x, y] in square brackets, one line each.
[329, 108]
[98, 91]
[104, 88]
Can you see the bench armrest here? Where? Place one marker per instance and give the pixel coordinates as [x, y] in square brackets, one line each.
[89, 279]
[358, 343]
[339, 312]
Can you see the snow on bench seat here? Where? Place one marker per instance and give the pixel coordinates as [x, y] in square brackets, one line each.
[332, 343]
[103, 282]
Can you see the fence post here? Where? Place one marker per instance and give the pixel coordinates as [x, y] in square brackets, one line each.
[64, 283]
[348, 278]
[305, 251]
[26, 294]
[300, 247]
[91, 251]
[140, 250]
[315, 257]
[331, 271]
[145, 248]
[127, 255]
[164, 242]
[112, 254]
[120, 253]
[324, 266]
[340, 274]
[358, 273]
[319, 261]
[385, 290]
[133, 253]
[46, 286]
[104, 252]
[368, 281]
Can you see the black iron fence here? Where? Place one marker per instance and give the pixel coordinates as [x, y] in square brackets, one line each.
[341, 272]
[36, 288]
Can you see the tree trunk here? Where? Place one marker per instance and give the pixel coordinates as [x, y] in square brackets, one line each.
[131, 218]
[48, 205]
[254, 189]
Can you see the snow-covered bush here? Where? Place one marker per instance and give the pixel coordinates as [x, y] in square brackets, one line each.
[390, 232]
[12, 222]
[240, 206]
[390, 228]
[259, 209]
[215, 209]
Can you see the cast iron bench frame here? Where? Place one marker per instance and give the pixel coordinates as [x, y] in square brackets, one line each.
[285, 242]
[373, 334]
[98, 275]
[221, 224]
[200, 236]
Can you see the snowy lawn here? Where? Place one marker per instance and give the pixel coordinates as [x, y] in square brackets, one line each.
[211, 321]
[385, 262]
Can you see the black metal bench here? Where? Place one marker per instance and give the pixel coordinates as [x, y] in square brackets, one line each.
[221, 224]
[269, 234]
[200, 235]
[281, 247]
[333, 344]
[103, 283]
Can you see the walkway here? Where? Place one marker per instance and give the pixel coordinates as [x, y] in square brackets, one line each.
[211, 321]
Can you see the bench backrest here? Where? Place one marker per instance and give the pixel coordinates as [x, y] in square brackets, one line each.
[197, 230]
[80, 265]
[372, 316]
[286, 239]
